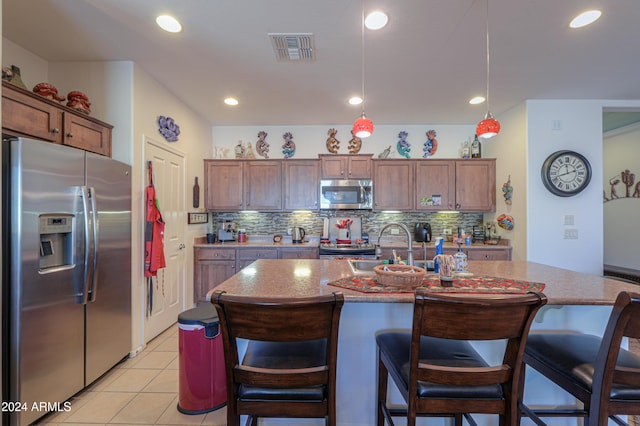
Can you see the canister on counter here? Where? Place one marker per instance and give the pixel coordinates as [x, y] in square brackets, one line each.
[242, 235]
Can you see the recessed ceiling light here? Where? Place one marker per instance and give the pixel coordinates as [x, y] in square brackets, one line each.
[585, 18]
[231, 101]
[376, 20]
[477, 100]
[356, 100]
[169, 23]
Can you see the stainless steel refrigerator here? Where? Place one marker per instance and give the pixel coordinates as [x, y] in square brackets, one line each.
[66, 272]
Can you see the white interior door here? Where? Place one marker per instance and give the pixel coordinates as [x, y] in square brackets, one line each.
[168, 292]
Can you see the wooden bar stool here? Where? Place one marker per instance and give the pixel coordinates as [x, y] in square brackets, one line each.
[437, 370]
[289, 367]
[596, 371]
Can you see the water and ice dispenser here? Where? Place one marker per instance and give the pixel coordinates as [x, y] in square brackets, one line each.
[56, 241]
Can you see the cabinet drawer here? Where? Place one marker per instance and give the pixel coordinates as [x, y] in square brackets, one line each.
[306, 253]
[215, 254]
[488, 255]
[257, 253]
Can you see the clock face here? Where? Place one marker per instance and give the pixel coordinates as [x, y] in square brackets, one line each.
[566, 173]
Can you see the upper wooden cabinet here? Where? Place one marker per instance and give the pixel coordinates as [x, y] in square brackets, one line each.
[465, 185]
[435, 178]
[25, 114]
[232, 185]
[393, 185]
[356, 166]
[301, 189]
[263, 185]
[223, 185]
[476, 185]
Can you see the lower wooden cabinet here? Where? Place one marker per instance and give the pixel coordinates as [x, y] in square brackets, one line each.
[212, 266]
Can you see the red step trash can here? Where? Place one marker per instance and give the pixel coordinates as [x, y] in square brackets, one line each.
[202, 383]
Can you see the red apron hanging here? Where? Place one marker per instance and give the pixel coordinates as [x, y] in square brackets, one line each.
[154, 237]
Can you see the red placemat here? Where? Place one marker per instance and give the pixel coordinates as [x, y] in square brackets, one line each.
[480, 284]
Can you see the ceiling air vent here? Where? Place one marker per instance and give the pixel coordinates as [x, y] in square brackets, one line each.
[293, 47]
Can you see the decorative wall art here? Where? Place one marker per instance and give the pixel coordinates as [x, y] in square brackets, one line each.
[355, 144]
[431, 145]
[505, 222]
[507, 191]
[196, 194]
[333, 144]
[288, 147]
[403, 146]
[168, 128]
[221, 152]
[628, 179]
[262, 147]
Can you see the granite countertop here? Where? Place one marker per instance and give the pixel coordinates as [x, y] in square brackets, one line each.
[309, 277]
[266, 241]
[260, 241]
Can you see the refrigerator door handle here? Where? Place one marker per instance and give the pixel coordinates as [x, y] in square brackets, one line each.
[83, 296]
[93, 289]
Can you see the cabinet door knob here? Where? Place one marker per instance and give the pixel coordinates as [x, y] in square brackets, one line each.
[69, 135]
[55, 130]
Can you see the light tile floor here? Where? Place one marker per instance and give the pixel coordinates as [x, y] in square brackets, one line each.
[139, 391]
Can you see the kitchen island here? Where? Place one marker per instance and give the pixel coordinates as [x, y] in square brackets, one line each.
[577, 301]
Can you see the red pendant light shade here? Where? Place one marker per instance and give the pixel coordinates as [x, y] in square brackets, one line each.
[488, 128]
[362, 127]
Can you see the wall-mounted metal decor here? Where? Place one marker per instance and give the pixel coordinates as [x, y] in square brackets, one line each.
[168, 128]
[631, 188]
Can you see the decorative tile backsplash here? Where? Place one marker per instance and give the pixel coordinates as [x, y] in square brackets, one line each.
[278, 223]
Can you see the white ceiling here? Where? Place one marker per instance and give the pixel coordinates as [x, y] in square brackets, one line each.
[422, 68]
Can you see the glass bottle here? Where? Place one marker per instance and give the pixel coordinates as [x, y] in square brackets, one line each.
[465, 149]
[476, 148]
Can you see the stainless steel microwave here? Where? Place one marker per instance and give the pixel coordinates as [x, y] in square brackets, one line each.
[351, 194]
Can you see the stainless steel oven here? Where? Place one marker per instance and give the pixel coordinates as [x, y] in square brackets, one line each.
[352, 194]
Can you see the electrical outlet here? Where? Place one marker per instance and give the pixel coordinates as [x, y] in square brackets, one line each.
[395, 231]
[571, 234]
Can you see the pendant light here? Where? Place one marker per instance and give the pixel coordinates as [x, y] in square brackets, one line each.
[489, 126]
[363, 126]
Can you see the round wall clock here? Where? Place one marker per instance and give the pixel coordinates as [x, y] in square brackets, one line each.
[566, 173]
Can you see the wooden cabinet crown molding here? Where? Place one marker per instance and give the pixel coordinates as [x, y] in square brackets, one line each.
[26, 114]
